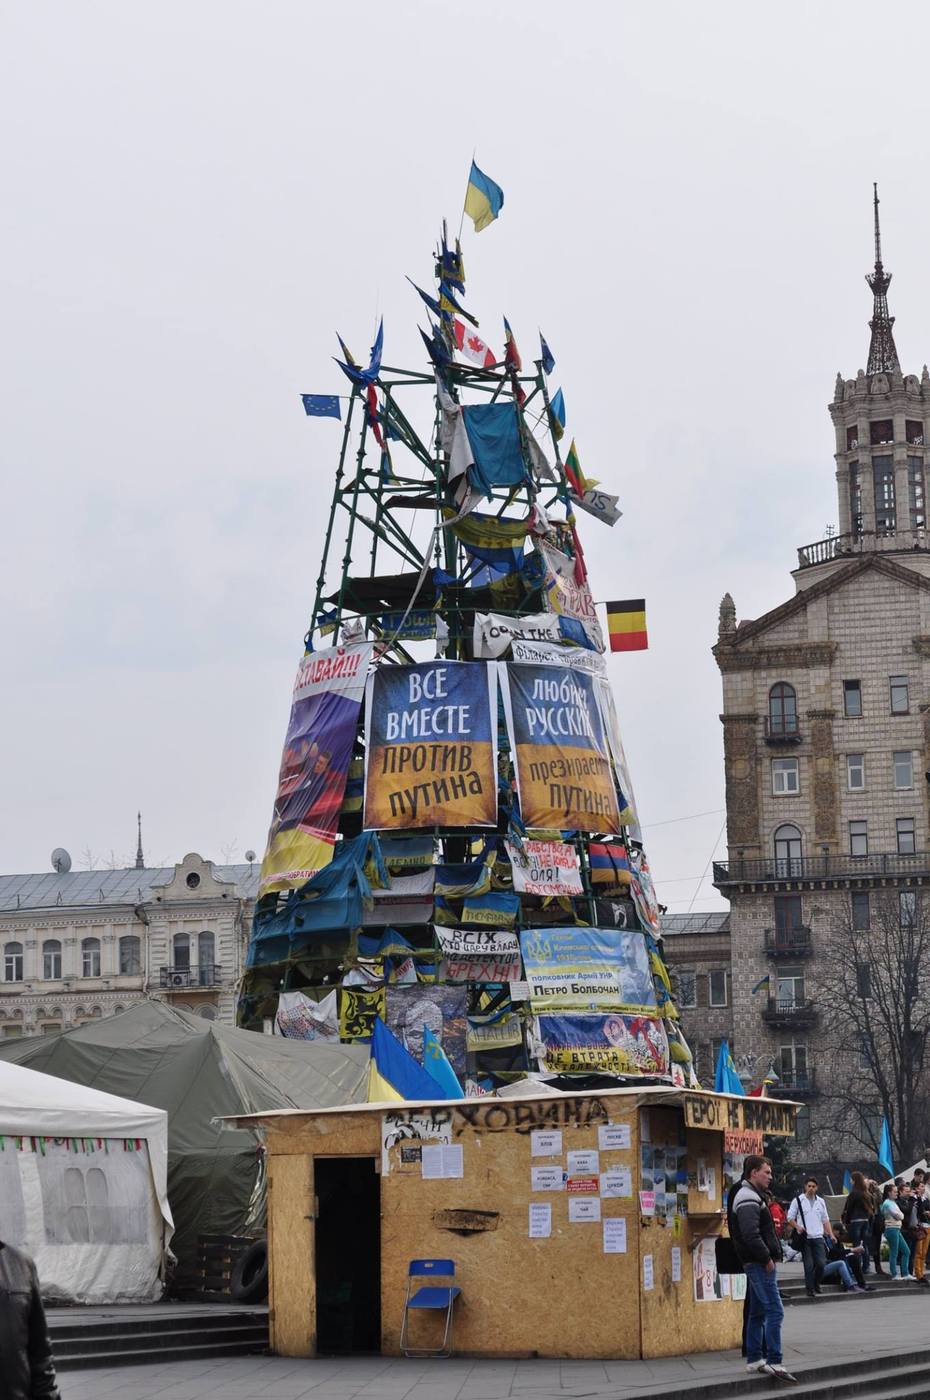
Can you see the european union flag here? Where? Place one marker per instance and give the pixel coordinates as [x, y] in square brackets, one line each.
[548, 359]
[321, 405]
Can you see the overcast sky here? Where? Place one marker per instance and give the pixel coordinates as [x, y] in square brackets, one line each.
[197, 196]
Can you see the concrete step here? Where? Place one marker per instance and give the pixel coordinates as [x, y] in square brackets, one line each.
[113, 1324]
[71, 1361]
[131, 1335]
[878, 1378]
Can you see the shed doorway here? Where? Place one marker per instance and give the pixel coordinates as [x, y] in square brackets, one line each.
[348, 1255]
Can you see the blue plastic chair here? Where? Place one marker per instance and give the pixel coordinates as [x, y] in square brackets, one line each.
[430, 1298]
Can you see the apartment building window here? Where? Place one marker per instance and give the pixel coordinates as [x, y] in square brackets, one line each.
[90, 957]
[13, 962]
[787, 913]
[785, 777]
[861, 913]
[51, 959]
[863, 980]
[715, 1044]
[182, 952]
[855, 498]
[206, 957]
[903, 768]
[783, 709]
[790, 988]
[900, 701]
[787, 850]
[883, 476]
[802, 1125]
[855, 772]
[717, 989]
[858, 838]
[852, 699]
[687, 988]
[130, 956]
[904, 830]
[915, 482]
[907, 908]
[792, 1065]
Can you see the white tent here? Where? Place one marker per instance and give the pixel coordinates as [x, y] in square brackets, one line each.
[83, 1187]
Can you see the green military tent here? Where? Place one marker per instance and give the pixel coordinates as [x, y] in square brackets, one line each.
[198, 1071]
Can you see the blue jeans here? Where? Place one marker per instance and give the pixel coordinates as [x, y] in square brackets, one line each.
[898, 1252]
[765, 1315]
[839, 1266]
[814, 1253]
[860, 1232]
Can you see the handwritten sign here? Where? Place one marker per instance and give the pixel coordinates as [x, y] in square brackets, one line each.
[614, 1234]
[768, 1116]
[546, 1179]
[545, 868]
[545, 1143]
[540, 1220]
[738, 1140]
[613, 1137]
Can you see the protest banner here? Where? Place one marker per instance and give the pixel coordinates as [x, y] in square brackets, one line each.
[314, 766]
[589, 969]
[564, 776]
[613, 1044]
[441, 1010]
[494, 633]
[565, 596]
[479, 955]
[431, 746]
[545, 868]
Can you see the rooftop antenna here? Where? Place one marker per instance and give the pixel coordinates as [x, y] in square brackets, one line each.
[140, 858]
[883, 355]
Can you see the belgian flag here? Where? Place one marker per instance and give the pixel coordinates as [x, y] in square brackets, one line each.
[626, 624]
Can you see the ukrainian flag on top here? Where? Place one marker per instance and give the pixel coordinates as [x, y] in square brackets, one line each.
[483, 199]
[394, 1075]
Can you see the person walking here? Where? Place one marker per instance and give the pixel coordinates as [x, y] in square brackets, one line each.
[898, 1252]
[809, 1214]
[919, 1261]
[878, 1224]
[857, 1216]
[752, 1231]
[27, 1371]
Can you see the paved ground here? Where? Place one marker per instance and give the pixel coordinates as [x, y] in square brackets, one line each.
[816, 1333]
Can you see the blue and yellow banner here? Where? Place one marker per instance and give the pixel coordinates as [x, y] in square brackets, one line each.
[588, 969]
[564, 775]
[314, 766]
[610, 1044]
[431, 746]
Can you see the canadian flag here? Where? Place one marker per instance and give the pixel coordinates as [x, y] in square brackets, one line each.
[470, 344]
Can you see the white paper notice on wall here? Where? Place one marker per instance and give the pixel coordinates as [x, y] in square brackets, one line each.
[618, 1181]
[614, 1228]
[545, 1143]
[613, 1137]
[676, 1264]
[583, 1209]
[583, 1163]
[540, 1220]
[546, 1179]
[438, 1162]
[648, 1277]
[711, 1181]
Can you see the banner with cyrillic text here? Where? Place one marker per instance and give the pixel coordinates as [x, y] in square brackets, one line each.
[431, 745]
[314, 765]
[588, 969]
[611, 1044]
[545, 654]
[557, 739]
[548, 868]
[479, 955]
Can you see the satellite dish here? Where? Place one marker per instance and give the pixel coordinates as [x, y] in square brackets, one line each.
[61, 861]
[250, 856]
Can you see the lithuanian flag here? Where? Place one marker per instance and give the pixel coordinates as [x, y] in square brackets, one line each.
[626, 624]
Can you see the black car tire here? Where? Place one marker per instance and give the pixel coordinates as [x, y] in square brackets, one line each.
[249, 1281]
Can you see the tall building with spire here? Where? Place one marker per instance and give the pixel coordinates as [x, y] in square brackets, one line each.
[826, 719]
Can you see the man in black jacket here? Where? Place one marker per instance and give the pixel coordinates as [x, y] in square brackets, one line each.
[752, 1231]
[27, 1371]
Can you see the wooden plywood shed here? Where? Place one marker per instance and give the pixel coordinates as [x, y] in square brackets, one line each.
[580, 1225]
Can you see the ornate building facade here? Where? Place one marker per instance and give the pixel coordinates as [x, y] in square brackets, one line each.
[77, 945]
[826, 718]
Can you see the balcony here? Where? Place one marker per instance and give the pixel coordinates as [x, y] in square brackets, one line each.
[788, 942]
[191, 979]
[862, 542]
[818, 869]
[800, 1084]
[786, 1011]
[782, 729]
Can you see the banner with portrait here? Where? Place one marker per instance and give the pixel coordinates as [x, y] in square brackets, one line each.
[431, 744]
[560, 753]
[610, 1044]
[591, 969]
[315, 764]
[438, 1009]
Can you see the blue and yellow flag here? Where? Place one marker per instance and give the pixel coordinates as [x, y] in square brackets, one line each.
[726, 1080]
[393, 1073]
[484, 200]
